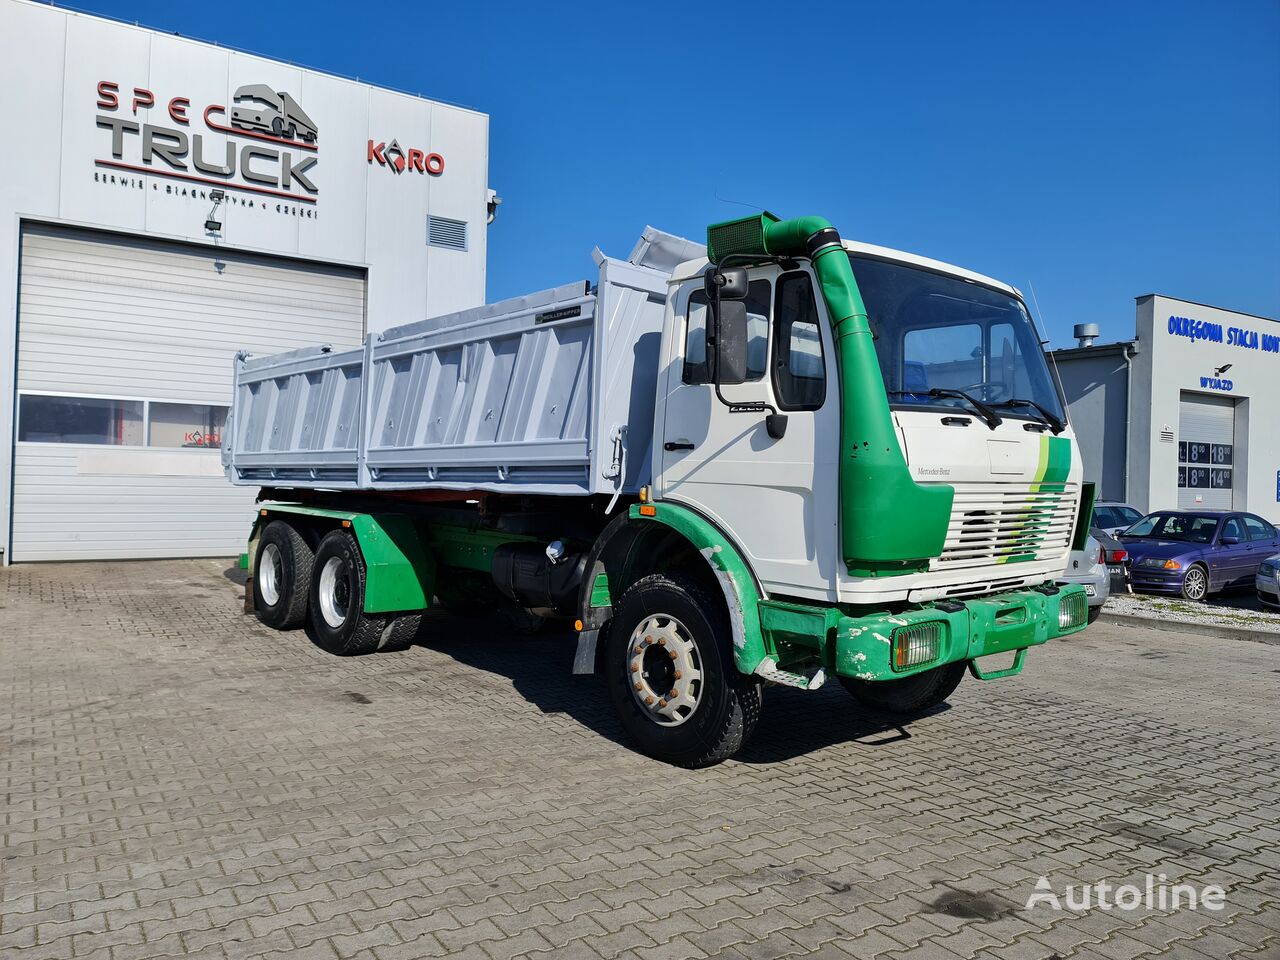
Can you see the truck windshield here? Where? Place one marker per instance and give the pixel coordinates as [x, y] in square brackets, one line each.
[942, 333]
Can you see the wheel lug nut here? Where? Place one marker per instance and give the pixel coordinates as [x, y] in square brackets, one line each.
[635, 668]
[662, 642]
[648, 700]
[677, 674]
[662, 703]
[673, 655]
[639, 686]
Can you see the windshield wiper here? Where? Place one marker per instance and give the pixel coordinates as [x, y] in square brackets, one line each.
[1050, 420]
[989, 416]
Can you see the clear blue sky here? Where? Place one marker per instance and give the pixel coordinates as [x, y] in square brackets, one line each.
[1096, 150]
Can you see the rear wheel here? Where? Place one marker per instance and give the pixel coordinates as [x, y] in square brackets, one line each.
[672, 676]
[338, 622]
[1195, 584]
[282, 576]
[913, 694]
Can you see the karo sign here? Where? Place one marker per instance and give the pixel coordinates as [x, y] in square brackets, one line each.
[398, 160]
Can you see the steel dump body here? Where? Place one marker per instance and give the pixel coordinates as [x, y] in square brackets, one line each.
[548, 393]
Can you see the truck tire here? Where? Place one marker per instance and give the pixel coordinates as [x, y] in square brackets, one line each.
[338, 623]
[910, 695]
[670, 636]
[282, 576]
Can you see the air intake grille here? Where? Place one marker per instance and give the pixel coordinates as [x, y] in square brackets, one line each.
[1008, 523]
[443, 232]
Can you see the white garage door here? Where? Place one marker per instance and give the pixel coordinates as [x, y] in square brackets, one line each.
[124, 374]
[1206, 452]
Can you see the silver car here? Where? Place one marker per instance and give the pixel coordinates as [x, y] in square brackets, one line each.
[1088, 568]
[1267, 582]
[1111, 516]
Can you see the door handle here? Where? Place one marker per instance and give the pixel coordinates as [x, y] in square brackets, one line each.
[677, 445]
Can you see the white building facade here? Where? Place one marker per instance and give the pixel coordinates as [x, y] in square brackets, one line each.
[1186, 415]
[165, 203]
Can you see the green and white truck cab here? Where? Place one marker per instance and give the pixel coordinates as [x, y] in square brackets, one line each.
[779, 458]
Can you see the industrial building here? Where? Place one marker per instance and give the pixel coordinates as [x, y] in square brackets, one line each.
[165, 203]
[1185, 414]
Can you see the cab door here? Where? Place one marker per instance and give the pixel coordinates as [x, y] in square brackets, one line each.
[776, 498]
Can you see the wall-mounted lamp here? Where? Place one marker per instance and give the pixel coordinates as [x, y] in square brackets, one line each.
[211, 223]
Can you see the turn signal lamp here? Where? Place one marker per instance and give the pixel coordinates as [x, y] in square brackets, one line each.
[1172, 565]
[1073, 609]
[644, 494]
[648, 510]
[916, 644]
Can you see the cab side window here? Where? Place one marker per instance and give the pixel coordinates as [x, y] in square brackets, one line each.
[1231, 528]
[697, 367]
[799, 371]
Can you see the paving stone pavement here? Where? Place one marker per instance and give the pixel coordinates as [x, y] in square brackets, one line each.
[180, 781]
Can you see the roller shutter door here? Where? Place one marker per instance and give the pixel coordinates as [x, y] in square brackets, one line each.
[124, 372]
[1206, 452]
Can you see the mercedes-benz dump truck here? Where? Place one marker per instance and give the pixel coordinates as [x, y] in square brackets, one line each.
[778, 457]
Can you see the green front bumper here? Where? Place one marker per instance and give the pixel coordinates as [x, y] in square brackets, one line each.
[999, 623]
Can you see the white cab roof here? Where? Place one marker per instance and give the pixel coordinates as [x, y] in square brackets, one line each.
[692, 268]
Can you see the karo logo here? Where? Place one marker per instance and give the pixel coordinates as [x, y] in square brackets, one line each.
[397, 159]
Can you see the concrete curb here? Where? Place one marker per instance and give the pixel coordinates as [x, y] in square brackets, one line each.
[1199, 629]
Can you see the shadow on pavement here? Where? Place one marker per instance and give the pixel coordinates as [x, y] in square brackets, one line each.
[792, 723]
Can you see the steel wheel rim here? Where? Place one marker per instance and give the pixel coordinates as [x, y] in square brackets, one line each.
[664, 670]
[334, 592]
[1195, 583]
[270, 570]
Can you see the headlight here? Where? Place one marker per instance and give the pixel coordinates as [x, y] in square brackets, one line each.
[916, 644]
[1073, 609]
[1268, 569]
[1158, 563]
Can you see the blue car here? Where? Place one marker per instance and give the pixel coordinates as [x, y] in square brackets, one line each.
[1197, 552]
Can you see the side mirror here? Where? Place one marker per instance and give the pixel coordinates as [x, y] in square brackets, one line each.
[1229, 541]
[731, 342]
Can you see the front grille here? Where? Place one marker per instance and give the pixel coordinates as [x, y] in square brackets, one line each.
[994, 523]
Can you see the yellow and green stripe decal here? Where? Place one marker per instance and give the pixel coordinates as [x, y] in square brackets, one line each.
[1051, 479]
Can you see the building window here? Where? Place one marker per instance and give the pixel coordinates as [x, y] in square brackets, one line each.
[185, 425]
[123, 423]
[44, 419]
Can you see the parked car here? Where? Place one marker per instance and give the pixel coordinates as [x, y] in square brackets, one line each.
[1267, 582]
[1088, 568]
[1111, 516]
[1197, 552]
[1116, 557]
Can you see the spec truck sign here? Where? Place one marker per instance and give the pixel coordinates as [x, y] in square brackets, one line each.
[269, 145]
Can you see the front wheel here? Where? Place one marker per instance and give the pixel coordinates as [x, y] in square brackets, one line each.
[914, 694]
[672, 677]
[1195, 584]
[339, 624]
